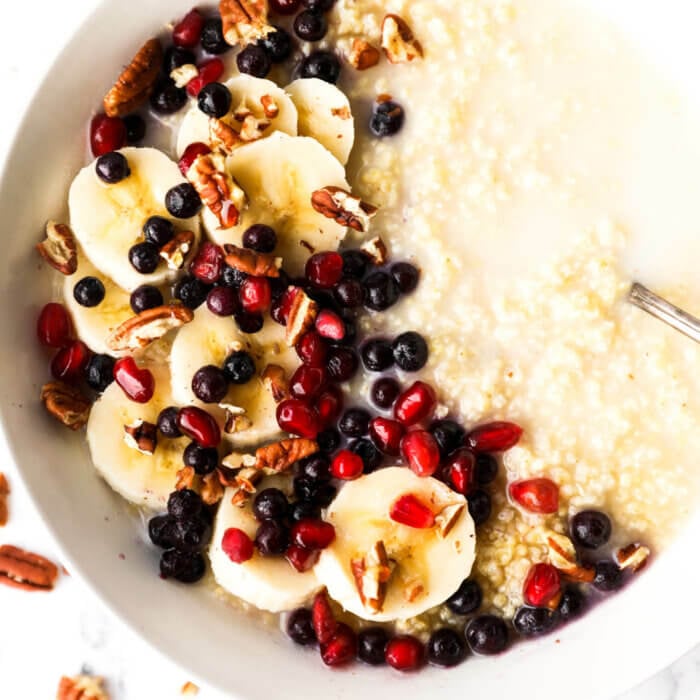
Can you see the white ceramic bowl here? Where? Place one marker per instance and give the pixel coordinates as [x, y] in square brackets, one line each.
[622, 641]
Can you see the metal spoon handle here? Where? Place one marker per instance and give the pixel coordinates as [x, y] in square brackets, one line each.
[658, 307]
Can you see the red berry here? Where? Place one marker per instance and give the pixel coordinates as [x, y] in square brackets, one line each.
[190, 155]
[324, 269]
[494, 437]
[69, 362]
[199, 425]
[284, 7]
[281, 308]
[460, 469]
[300, 558]
[237, 545]
[341, 648]
[386, 434]
[542, 585]
[106, 134]
[415, 404]
[53, 327]
[404, 653]
[329, 404]
[208, 264]
[312, 349]
[209, 72]
[137, 383]
[536, 495]
[410, 510]
[330, 325]
[298, 418]
[313, 534]
[421, 451]
[347, 465]
[255, 295]
[322, 618]
[307, 382]
[187, 31]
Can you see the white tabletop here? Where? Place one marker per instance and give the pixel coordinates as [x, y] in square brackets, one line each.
[45, 636]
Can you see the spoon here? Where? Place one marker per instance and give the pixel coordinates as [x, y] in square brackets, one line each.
[659, 308]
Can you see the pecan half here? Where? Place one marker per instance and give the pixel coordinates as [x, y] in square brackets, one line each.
[275, 381]
[4, 493]
[398, 41]
[141, 436]
[66, 404]
[175, 251]
[217, 188]
[244, 21]
[363, 55]
[376, 251]
[211, 489]
[134, 85]
[26, 570]
[58, 248]
[562, 555]
[302, 315]
[279, 456]
[372, 573]
[343, 207]
[447, 518]
[252, 263]
[634, 556]
[81, 687]
[223, 136]
[183, 74]
[141, 330]
[270, 107]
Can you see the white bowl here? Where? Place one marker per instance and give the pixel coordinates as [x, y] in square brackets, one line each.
[623, 640]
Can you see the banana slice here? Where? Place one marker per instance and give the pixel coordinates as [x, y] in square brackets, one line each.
[143, 479]
[247, 93]
[94, 324]
[269, 583]
[423, 566]
[107, 219]
[279, 175]
[324, 114]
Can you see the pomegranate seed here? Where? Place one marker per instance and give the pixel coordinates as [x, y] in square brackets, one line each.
[69, 362]
[421, 451]
[285, 7]
[494, 437]
[542, 584]
[187, 31]
[190, 155]
[386, 434]
[404, 653]
[312, 349]
[410, 510]
[138, 384]
[322, 618]
[281, 308]
[53, 327]
[536, 495]
[300, 558]
[208, 264]
[209, 72]
[298, 418]
[460, 469]
[106, 134]
[199, 425]
[323, 270]
[307, 382]
[237, 545]
[341, 648]
[330, 325]
[313, 534]
[329, 405]
[347, 465]
[255, 295]
[415, 404]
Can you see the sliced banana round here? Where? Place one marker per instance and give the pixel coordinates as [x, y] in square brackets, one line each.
[269, 583]
[143, 479]
[324, 114]
[257, 96]
[382, 570]
[279, 174]
[108, 219]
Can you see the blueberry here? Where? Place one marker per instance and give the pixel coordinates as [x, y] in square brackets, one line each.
[204, 460]
[248, 323]
[214, 100]
[318, 5]
[446, 648]
[300, 510]
[349, 293]
[112, 168]
[182, 566]
[316, 467]
[487, 634]
[479, 504]
[486, 469]
[328, 440]
[176, 56]
[135, 128]
[279, 45]
[371, 645]
[270, 504]
[310, 26]
[381, 291]
[387, 119]
[272, 538]
[145, 297]
[321, 64]
[144, 257]
[608, 576]
[212, 37]
[191, 292]
[223, 301]
[572, 603]
[384, 392]
[99, 373]
[410, 351]
[448, 434]
[590, 529]
[377, 355]
[210, 384]
[342, 363]
[355, 264]
[320, 493]
[89, 292]
[466, 599]
[182, 201]
[158, 230]
[192, 535]
[532, 622]
[254, 60]
[406, 276]
[232, 277]
[354, 422]
[184, 504]
[161, 531]
[167, 422]
[300, 628]
[239, 367]
[371, 456]
[260, 238]
[166, 97]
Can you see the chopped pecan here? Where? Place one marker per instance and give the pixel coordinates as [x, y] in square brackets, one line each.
[253, 128]
[66, 404]
[246, 480]
[142, 436]
[227, 476]
[175, 250]
[183, 74]
[343, 207]
[26, 570]
[279, 456]
[634, 556]
[189, 689]
[187, 479]
[134, 85]
[363, 55]
[81, 687]
[562, 556]
[236, 420]
[270, 107]
[413, 589]
[223, 136]
[302, 315]
[398, 41]
[141, 330]
[244, 21]
[447, 518]
[217, 188]
[211, 490]
[376, 251]
[275, 381]
[251, 262]
[372, 573]
[238, 460]
[4, 493]
[58, 248]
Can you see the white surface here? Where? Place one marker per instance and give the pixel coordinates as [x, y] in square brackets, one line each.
[54, 634]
